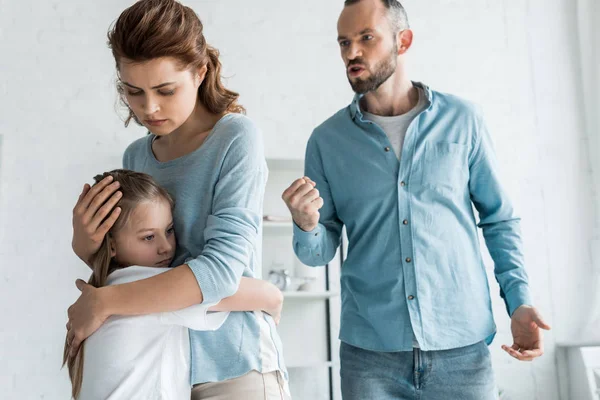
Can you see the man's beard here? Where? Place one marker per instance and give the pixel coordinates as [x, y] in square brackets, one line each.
[382, 71]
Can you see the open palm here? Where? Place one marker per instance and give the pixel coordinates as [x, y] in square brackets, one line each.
[526, 327]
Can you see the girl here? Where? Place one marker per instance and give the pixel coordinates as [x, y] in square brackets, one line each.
[148, 356]
[210, 158]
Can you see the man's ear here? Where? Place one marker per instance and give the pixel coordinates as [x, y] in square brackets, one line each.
[404, 40]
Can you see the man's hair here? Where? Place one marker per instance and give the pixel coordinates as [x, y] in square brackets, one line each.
[397, 13]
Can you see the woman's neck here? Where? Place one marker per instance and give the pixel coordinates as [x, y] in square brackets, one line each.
[188, 137]
[198, 125]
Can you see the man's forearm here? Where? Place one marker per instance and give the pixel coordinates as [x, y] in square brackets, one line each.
[318, 247]
[169, 291]
[503, 240]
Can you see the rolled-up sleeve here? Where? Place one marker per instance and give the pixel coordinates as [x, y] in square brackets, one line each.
[232, 228]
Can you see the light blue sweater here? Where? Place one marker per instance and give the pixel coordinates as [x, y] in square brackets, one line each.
[218, 191]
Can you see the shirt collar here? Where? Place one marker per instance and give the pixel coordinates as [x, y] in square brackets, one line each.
[355, 105]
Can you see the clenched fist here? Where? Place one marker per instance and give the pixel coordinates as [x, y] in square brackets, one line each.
[304, 202]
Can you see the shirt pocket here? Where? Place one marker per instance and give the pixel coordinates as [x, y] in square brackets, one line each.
[445, 168]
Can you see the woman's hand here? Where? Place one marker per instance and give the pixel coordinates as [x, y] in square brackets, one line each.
[90, 222]
[86, 315]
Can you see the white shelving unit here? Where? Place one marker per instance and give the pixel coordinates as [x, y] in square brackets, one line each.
[309, 295]
[1, 163]
[328, 364]
[579, 369]
[310, 320]
[276, 225]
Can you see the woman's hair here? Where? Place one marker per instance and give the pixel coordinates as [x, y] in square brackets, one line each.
[137, 188]
[165, 28]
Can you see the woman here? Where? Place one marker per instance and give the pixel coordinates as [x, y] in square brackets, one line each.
[209, 156]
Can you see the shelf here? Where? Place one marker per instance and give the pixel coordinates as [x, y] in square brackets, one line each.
[278, 225]
[309, 295]
[311, 365]
[580, 343]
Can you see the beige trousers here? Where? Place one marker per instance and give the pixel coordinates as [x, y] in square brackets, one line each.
[252, 386]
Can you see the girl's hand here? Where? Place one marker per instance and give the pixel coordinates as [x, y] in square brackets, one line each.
[90, 222]
[86, 315]
[275, 305]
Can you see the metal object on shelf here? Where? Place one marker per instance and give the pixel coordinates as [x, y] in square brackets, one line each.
[277, 218]
[280, 278]
[286, 282]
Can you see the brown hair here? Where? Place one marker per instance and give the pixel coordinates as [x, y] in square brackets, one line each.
[165, 28]
[136, 188]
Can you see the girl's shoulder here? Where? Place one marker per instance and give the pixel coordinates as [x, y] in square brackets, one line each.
[132, 274]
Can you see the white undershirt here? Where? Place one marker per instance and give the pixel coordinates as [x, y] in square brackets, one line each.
[147, 356]
[395, 127]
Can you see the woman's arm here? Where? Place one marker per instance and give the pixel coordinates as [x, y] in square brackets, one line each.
[177, 289]
[169, 291]
[254, 294]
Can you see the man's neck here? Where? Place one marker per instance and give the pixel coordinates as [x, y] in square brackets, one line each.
[394, 97]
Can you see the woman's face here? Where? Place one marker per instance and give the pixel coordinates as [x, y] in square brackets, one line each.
[161, 95]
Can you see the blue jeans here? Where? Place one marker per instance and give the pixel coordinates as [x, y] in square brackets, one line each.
[458, 374]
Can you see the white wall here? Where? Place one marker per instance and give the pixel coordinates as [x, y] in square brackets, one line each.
[589, 34]
[518, 59]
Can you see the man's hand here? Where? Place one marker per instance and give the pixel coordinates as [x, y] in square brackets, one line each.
[304, 202]
[86, 315]
[528, 342]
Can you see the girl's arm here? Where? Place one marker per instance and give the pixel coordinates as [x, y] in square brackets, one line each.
[169, 291]
[254, 294]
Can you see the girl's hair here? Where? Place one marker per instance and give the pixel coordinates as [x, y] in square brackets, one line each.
[137, 188]
[165, 28]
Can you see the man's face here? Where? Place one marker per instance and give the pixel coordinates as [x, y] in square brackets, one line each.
[368, 45]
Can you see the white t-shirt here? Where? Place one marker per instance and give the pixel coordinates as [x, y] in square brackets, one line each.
[395, 127]
[143, 357]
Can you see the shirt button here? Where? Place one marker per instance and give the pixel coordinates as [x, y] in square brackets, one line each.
[387, 149]
[408, 259]
[405, 222]
[317, 234]
[402, 183]
[411, 297]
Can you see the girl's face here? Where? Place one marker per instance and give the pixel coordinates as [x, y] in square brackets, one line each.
[148, 238]
[161, 95]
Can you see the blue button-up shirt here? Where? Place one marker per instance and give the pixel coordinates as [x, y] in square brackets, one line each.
[414, 260]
